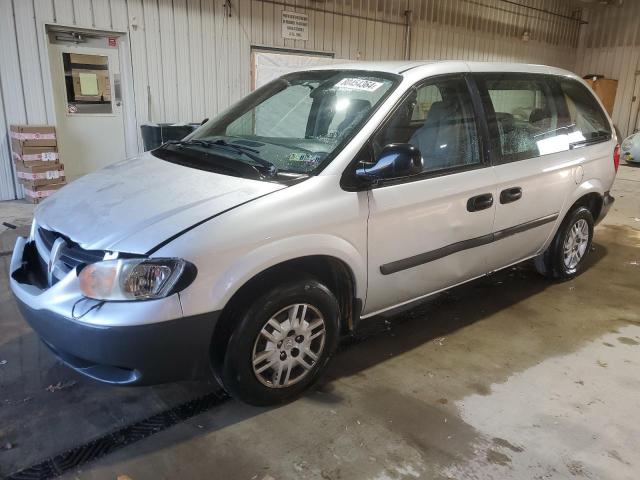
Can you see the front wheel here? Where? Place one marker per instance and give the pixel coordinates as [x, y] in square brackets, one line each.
[564, 259]
[281, 343]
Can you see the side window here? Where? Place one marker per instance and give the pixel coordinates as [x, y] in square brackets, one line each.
[530, 115]
[437, 118]
[587, 120]
[426, 96]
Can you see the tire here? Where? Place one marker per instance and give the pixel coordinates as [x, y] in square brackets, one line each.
[575, 233]
[293, 347]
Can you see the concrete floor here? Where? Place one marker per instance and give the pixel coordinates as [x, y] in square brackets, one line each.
[508, 377]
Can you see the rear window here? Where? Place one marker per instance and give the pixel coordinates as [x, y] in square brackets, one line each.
[587, 120]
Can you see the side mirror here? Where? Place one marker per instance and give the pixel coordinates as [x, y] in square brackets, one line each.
[395, 160]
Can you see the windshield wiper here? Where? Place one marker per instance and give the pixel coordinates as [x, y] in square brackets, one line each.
[268, 167]
[180, 143]
[249, 152]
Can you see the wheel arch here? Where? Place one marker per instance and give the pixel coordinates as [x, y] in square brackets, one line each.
[335, 271]
[589, 194]
[593, 201]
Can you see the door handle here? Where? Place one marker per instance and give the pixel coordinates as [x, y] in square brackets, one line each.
[480, 202]
[510, 195]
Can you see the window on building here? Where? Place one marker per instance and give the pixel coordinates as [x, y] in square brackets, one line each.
[87, 83]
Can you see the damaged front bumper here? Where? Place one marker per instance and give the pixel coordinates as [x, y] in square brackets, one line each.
[126, 343]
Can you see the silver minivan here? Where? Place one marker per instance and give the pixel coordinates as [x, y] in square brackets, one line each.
[327, 196]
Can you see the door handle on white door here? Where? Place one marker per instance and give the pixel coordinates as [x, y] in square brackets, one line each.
[480, 202]
[510, 195]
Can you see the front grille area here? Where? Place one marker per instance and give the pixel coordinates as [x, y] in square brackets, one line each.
[71, 254]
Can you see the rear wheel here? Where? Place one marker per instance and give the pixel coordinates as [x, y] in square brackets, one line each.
[564, 258]
[281, 343]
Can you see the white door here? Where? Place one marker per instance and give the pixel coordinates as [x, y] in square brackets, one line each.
[89, 120]
[433, 230]
[535, 168]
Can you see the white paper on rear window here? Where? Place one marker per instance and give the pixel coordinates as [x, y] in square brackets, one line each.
[359, 84]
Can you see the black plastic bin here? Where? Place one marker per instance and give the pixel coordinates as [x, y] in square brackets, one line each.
[155, 134]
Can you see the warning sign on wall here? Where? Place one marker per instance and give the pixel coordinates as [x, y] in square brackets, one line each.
[295, 25]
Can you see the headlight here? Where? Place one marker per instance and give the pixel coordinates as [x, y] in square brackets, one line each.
[135, 278]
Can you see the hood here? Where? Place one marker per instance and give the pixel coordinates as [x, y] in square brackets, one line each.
[132, 206]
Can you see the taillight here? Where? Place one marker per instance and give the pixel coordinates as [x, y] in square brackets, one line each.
[616, 157]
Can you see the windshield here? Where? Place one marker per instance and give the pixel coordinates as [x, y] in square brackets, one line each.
[296, 122]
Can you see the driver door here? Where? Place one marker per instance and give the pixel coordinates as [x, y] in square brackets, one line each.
[432, 230]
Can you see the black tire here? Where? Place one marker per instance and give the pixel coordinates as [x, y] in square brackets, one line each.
[552, 262]
[238, 376]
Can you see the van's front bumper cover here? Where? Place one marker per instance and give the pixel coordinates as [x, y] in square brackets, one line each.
[137, 354]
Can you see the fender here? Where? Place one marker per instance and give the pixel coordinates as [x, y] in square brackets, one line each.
[266, 256]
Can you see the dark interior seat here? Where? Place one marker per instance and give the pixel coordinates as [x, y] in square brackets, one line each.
[356, 110]
[399, 129]
[440, 138]
[538, 115]
[541, 122]
[515, 136]
[506, 122]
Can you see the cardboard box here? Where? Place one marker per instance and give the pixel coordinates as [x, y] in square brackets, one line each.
[33, 136]
[90, 77]
[35, 176]
[36, 194]
[34, 156]
[102, 91]
[606, 89]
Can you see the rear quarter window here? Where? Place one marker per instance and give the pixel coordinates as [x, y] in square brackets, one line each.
[588, 121]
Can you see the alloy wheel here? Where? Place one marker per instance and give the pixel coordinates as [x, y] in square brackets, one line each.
[575, 244]
[289, 345]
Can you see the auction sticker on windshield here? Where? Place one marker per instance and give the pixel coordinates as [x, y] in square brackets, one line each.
[359, 84]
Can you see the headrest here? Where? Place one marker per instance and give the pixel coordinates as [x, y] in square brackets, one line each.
[538, 114]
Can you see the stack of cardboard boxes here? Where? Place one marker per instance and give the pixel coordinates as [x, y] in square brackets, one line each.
[35, 153]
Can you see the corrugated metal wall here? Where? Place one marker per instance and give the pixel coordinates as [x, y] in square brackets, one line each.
[193, 56]
[471, 32]
[610, 46]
